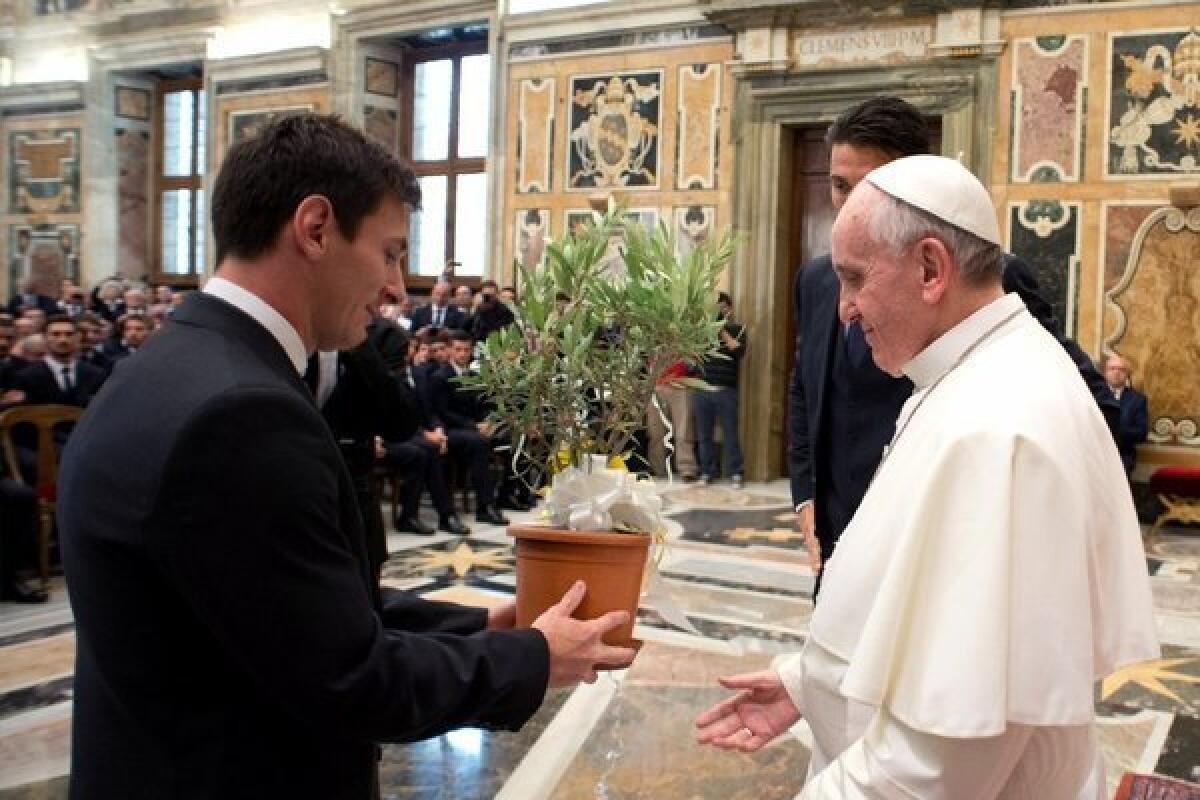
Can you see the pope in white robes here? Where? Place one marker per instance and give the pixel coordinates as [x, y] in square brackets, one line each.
[994, 571]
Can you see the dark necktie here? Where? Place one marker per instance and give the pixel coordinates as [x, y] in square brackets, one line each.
[438, 315]
[68, 384]
[312, 375]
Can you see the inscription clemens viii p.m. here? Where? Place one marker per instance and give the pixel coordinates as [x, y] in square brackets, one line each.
[839, 48]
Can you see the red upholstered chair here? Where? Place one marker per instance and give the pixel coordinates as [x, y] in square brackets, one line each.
[1178, 487]
[1155, 787]
[45, 418]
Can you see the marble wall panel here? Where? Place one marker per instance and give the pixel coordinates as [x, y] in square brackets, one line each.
[43, 171]
[1157, 310]
[532, 230]
[46, 253]
[699, 113]
[1153, 116]
[1049, 91]
[1046, 234]
[535, 134]
[383, 125]
[1121, 222]
[613, 131]
[132, 102]
[693, 226]
[133, 196]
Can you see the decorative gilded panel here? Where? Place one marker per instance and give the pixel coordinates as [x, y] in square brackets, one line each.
[45, 253]
[535, 134]
[1046, 234]
[1049, 94]
[693, 226]
[1154, 104]
[44, 171]
[1157, 309]
[532, 230]
[133, 187]
[699, 114]
[612, 139]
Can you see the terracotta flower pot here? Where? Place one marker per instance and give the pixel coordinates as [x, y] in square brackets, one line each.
[550, 560]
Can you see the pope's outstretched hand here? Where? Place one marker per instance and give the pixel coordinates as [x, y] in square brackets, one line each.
[760, 711]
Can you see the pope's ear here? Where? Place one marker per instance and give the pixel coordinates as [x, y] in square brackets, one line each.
[937, 266]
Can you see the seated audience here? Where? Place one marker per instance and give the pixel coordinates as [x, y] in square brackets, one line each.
[492, 315]
[440, 312]
[60, 377]
[18, 542]
[1134, 425]
[132, 331]
[91, 330]
[31, 296]
[461, 412]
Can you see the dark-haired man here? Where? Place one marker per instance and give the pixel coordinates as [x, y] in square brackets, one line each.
[492, 315]
[132, 330]
[231, 640]
[842, 408]
[61, 376]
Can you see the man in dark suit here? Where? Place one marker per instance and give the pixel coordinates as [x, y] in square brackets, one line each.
[230, 639]
[842, 408]
[1134, 426]
[30, 297]
[464, 415]
[10, 365]
[130, 335]
[440, 312]
[360, 400]
[420, 459]
[61, 377]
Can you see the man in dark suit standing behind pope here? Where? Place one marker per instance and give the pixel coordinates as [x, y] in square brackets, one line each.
[231, 642]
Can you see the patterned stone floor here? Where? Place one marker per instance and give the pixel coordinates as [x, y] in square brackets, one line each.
[734, 592]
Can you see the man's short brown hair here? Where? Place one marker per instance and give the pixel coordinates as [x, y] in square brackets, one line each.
[264, 179]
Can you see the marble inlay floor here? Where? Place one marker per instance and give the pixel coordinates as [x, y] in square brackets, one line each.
[734, 592]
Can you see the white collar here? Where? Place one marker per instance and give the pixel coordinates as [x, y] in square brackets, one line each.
[945, 352]
[57, 366]
[262, 313]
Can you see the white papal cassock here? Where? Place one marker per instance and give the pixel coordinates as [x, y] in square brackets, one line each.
[992, 574]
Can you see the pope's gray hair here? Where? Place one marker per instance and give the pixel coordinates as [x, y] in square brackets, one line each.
[898, 225]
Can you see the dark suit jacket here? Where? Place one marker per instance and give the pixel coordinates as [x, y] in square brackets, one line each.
[44, 302]
[115, 350]
[9, 368]
[1135, 425]
[452, 404]
[40, 385]
[878, 396]
[423, 317]
[230, 640]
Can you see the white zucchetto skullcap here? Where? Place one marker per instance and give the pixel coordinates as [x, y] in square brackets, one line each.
[943, 187]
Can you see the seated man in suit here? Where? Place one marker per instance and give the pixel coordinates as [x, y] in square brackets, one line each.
[91, 329]
[464, 413]
[420, 459]
[10, 364]
[61, 376]
[231, 639]
[440, 312]
[31, 296]
[132, 330]
[1134, 425]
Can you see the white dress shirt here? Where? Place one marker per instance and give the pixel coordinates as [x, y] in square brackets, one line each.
[262, 313]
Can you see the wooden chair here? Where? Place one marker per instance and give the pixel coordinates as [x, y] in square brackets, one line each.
[44, 418]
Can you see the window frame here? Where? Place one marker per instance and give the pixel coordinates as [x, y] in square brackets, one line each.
[452, 166]
[164, 183]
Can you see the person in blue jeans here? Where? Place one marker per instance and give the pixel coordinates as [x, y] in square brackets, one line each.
[721, 402]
